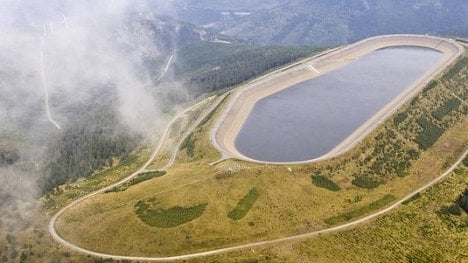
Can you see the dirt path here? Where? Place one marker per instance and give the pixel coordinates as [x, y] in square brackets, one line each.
[176, 148]
[166, 68]
[142, 169]
[239, 247]
[164, 136]
[44, 80]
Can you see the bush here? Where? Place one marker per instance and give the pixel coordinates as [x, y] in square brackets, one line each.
[136, 180]
[429, 135]
[324, 182]
[212, 112]
[432, 84]
[456, 208]
[244, 205]
[145, 177]
[446, 108]
[364, 182]
[461, 63]
[189, 144]
[412, 198]
[463, 201]
[382, 202]
[400, 118]
[465, 161]
[167, 218]
[11, 239]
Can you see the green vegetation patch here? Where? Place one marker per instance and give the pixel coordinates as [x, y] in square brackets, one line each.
[364, 182]
[167, 218]
[465, 161]
[145, 177]
[136, 180]
[324, 182]
[412, 198]
[382, 202]
[461, 203]
[446, 108]
[459, 66]
[244, 205]
[432, 84]
[400, 117]
[189, 145]
[212, 112]
[429, 135]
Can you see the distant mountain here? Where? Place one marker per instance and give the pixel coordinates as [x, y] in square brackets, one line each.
[327, 22]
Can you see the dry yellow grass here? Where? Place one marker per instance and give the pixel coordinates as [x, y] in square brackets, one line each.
[288, 202]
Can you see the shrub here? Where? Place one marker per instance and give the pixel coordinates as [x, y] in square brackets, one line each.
[429, 135]
[382, 202]
[212, 112]
[463, 200]
[324, 182]
[465, 161]
[136, 180]
[167, 218]
[189, 145]
[446, 108]
[145, 177]
[432, 84]
[461, 63]
[364, 182]
[456, 207]
[412, 198]
[244, 205]
[400, 118]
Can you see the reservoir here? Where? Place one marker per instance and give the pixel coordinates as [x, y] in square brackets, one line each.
[308, 120]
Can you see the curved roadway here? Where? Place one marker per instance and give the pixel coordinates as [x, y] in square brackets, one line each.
[65, 243]
[76, 248]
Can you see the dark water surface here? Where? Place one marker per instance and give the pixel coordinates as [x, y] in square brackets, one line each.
[309, 119]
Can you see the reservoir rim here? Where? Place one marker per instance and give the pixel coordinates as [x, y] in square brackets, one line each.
[243, 99]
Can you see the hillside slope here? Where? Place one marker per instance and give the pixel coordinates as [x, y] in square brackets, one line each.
[324, 22]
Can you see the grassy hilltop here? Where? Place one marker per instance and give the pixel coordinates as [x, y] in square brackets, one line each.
[197, 207]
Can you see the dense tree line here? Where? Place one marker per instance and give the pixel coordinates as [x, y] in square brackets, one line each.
[90, 143]
[208, 67]
[94, 139]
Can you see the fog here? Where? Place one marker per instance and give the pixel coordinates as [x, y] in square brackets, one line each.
[55, 55]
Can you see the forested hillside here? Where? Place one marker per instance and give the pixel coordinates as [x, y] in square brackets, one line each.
[208, 67]
[92, 141]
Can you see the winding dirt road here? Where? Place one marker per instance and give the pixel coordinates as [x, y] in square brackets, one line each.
[164, 136]
[76, 248]
[142, 169]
